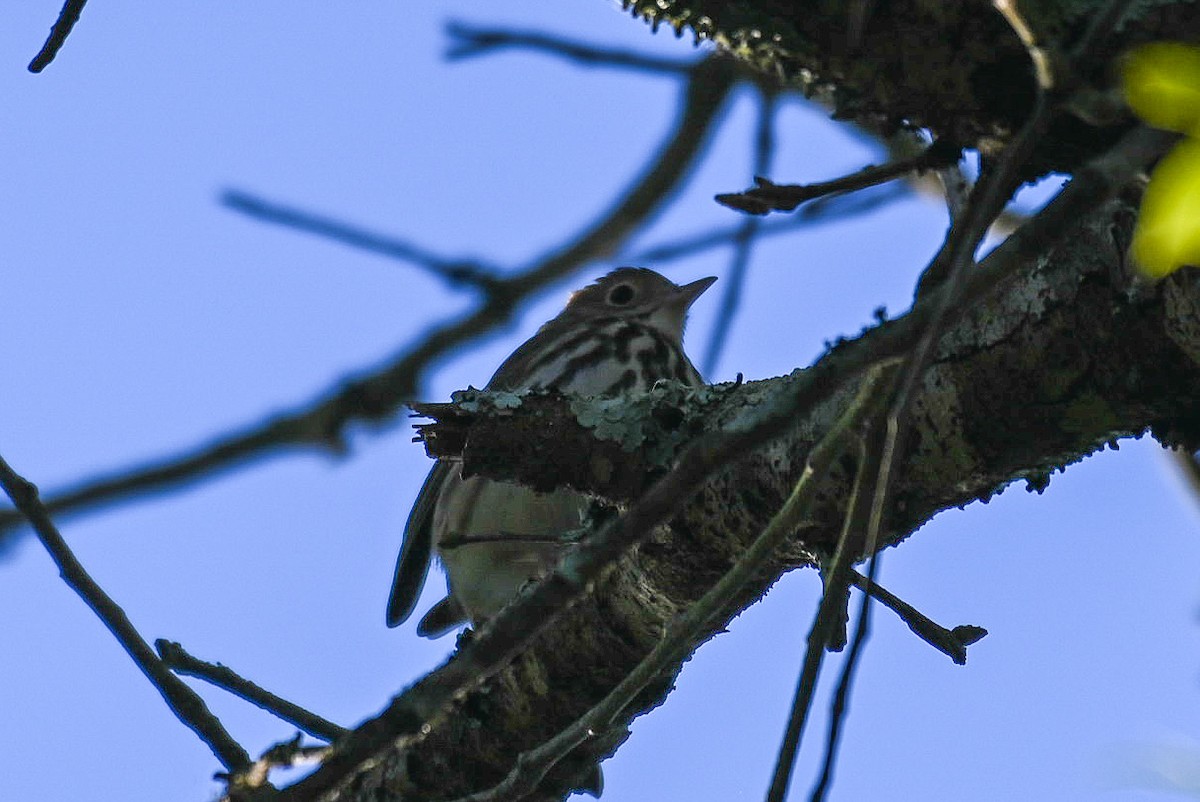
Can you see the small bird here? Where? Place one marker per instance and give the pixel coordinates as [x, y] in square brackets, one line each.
[619, 335]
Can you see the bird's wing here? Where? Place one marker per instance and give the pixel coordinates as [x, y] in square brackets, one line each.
[413, 564]
[441, 618]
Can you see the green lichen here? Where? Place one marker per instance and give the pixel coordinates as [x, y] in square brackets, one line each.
[506, 400]
[467, 400]
[651, 421]
[476, 401]
[630, 420]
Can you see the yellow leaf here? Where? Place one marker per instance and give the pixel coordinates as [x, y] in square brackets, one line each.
[1162, 85]
[1168, 230]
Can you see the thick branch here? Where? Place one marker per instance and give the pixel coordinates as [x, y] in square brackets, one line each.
[957, 69]
[1070, 356]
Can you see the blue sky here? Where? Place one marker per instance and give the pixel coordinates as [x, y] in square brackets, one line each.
[142, 317]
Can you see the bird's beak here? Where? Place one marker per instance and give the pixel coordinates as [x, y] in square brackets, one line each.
[688, 293]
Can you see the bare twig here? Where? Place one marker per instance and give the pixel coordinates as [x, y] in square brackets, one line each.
[820, 211]
[264, 439]
[830, 615]
[476, 273]
[867, 515]
[767, 196]
[1091, 185]
[376, 396]
[176, 658]
[67, 17]
[743, 243]
[954, 258]
[183, 701]
[951, 642]
[841, 207]
[468, 272]
[841, 696]
[953, 261]
[469, 41]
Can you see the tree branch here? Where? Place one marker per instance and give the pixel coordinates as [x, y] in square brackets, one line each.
[455, 272]
[480, 275]
[376, 396]
[183, 701]
[972, 83]
[176, 658]
[534, 692]
[743, 243]
[678, 640]
[951, 642]
[767, 196]
[58, 34]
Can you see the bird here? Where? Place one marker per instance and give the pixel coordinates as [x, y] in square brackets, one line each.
[621, 334]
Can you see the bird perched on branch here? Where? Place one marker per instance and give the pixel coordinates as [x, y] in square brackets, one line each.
[619, 335]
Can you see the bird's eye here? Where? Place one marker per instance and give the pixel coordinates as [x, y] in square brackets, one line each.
[620, 295]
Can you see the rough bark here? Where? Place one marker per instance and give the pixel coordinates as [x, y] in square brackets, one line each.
[1070, 356]
[957, 69]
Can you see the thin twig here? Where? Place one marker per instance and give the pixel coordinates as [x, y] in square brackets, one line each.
[533, 765]
[455, 272]
[181, 662]
[373, 397]
[1091, 185]
[469, 41]
[955, 255]
[181, 470]
[183, 701]
[951, 642]
[743, 243]
[955, 258]
[841, 696]
[827, 619]
[841, 207]
[538, 606]
[477, 273]
[767, 196]
[825, 210]
[67, 17]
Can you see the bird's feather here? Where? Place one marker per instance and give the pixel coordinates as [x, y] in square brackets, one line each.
[413, 564]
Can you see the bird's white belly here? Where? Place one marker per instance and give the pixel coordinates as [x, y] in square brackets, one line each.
[485, 575]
